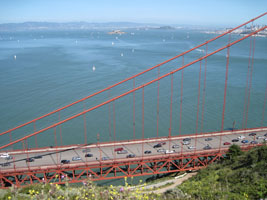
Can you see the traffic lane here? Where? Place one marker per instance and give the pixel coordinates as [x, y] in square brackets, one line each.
[54, 158]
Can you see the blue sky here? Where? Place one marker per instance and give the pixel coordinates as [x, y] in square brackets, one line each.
[196, 12]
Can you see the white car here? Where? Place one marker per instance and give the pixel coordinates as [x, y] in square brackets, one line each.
[4, 155]
[169, 151]
[241, 137]
[191, 147]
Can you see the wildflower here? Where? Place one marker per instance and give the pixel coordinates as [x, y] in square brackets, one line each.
[93, 195]
[9, 197]
[121, 190]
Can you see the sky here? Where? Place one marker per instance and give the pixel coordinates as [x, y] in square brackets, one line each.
[194, 12]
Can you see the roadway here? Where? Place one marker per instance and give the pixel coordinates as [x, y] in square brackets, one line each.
[54, 156]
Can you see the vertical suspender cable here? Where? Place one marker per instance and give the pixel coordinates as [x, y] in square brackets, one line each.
[60, 129]
[198, 100]
[262, 121]
[134, 109]
[170, 129]
[204, 91]
[34, 129]
[109, 120]
[246, 91]
[181, 101]
[84, 124]
[143, 119]
[158, 105]
[250, 80]
[225, 90]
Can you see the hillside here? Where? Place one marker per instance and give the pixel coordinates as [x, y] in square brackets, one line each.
[239, 176]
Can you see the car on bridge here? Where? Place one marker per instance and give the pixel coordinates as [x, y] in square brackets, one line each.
[162, 143]
[88, 155]
[265, 134]
[260, 137]
[191, 147]
[235, 140]
[208, 139]
[161, 150]
[147, 152]
[169, 151]
[106, 158]
[9, 158]
[253, 142]
[65, 161]
[244, 141]
[186, 142]
[207, 147]
[187, 139]
[227, 143]
[76, 158]
[130, 156]
[4, 155]
[252, 134]
[241, 137]
[86, 150]
[38, 157]
[157, 145]
[175, 146]
[5, 164]
[122, 152]
[29, 160]
[118, 149]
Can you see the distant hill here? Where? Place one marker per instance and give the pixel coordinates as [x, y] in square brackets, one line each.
[71, 25]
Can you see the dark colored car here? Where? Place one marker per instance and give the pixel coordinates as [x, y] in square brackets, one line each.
[187, 139]
[118, 149]
[147, 152]
[235, 140]
[130, 156]
[244, 141]
[226, 143]
[265, 134]
[29, 159]
[207, 147]
[65, 161]
[86, 150]
[88, 155]
[157, 145]
[208, 139]
[5, 164]
[252, 134]
[253, 142]
[38, 157]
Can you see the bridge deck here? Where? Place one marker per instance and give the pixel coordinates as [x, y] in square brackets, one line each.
[51, 157]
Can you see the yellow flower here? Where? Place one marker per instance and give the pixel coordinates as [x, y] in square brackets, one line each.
[9, 197]
[93, 195]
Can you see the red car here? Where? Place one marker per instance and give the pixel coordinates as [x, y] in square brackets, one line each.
[226, 143]
[118, 149]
